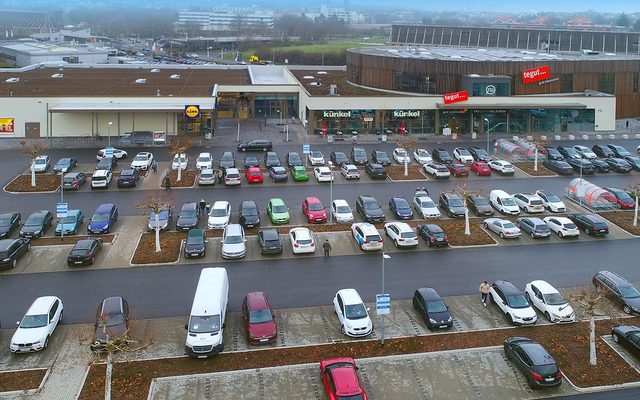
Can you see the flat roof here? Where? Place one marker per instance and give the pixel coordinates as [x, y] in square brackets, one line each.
[40, 49]
[318, 82]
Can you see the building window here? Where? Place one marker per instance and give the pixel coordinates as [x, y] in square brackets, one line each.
[417, 83]
[566, 83]
[636, 77]
[606, 83]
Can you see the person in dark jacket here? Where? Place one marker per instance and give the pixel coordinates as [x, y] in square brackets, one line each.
[326, 246]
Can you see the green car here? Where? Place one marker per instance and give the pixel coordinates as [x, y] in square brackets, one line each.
[71, 223]
[278, 212]
[299, 173]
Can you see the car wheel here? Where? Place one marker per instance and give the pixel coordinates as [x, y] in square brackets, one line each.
[616, 338]
[530, 383]
[428, 243]
[526, 296]
[93, 259]
[486, 225]
[508, 355]
[532, 235]
[415, 305]
[491, 300]
[14, 262]
[618, 205]
[547, 316]
[29, 247]
[510, 319]
[626, 309]
[587, 231]
[560, 234]
[46, 342]
[386, 232]
[342, 330]
[501, 234]
[395, 242]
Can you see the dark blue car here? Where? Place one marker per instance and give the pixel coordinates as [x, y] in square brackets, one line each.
[103, 219]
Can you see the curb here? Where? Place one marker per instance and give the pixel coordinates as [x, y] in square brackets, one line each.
[4, 188]
[84, 379]
[618, 226]
[44, 246]
[28, 391]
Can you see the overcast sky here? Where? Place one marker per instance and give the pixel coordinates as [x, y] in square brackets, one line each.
[615, 6]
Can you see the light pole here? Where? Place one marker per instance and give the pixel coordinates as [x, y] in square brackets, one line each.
[384, 256]
[331, 192]
[109, 128]
[487, 130]
[62, 201]
[580, 187]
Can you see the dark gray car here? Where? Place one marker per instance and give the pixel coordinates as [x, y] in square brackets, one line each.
[369, 209]
[479, 205]
[452, 204]
[432, 308]
[227, 160]
[269, 241]
[534, 227]
[271, 159]
[37, 224]
[619, 290]
[188, 217]
[249, 214]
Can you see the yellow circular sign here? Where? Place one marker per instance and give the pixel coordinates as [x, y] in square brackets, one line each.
[192, 111]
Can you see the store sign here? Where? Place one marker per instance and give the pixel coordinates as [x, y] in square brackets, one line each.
[490, 90]
[544, 82]
[6, 125]
[337, 114]
[489, 111]
[406, 113]
[192, 111]
[456, 97]
[535, 74]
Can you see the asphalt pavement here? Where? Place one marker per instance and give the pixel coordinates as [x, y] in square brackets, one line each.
[622, 394]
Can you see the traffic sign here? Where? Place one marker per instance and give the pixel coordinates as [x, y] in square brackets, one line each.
[108, 152]
[61, 210]
[306, 149]
[383, 304]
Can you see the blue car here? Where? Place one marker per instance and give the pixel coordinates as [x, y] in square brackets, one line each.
[103, 219]
[278, 174]
[71, 223]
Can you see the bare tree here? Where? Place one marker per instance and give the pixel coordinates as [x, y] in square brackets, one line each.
[179, 149]
[539, 144]
[634, 190]
[409, 145]
[156, 202]
[32, 149]
[464, 191]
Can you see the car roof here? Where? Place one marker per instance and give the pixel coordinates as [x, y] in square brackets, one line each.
[129, 171]
[276, 201]
[562, 220]
[367, 228]
[544, 287]
[195, 232]
[233, 229]
[143, 153]
[507, 287]
[323, 169]
[313, 200]
[72, 174]
[41, 157]
[350, 296]
[375, 165]
[433, 228]
[83, 244]
[41, 305]
[5, 243]
[73, 212]
[190, 206]
[617, 279]
[299, 168]
[534, 220]
[220, 204]
[340, 202]
[301, 233]
[246, 203]
[206, 171]
[537, 353]
[270, 234]
[398, 198]
[112, 305]
[367, 197]
[204, 154]
[232, 171]
[278, 168]
[450, 194]
[257, 301]
[429, 293]
[254, 169]
[403, 226]
[101, 172]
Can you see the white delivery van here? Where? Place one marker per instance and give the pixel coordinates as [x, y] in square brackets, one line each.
[206, 321]
[503, 202]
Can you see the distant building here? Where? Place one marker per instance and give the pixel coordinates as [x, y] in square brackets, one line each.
[72, 36]
[226, 18]
[348, 16]
[21, 54]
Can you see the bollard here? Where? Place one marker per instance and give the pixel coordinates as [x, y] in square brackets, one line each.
[585, 137]
[557, 137]
[543, 137]
[529, 138]
[612, 136]
[571, 137]
[515, 138]
[598, 136]
[625, 136]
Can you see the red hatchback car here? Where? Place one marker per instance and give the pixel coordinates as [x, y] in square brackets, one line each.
[458, 169]
[258, 318]
[481, 168]
[340, 379]
[253, 175]
[314, 210]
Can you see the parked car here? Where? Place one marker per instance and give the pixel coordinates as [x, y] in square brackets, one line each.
[452, 204]
[323, 174]
[101, 179]
[73, 180]
[458, 169]
[534, 227]
[433, 235]
[8, 223]
[37, 224]
[302, 241]
[504, 168]
[425, 206]
[299, 173]
[207, 177]
[41, 163]
[627, 336]
[568, 152]
[401, 234]
[350, 171]
[590, 223]
[562, 226]
[278, 174]
[581, 165]
[633, 161]
[441, 156]
[479, 154]
[112, 319]
[585, 152]
[366, 236]
[618, 165]
[84, 252]
[163, 222]
[117, 153]
[618, 151]
[142, 161]
[271, 159]
[503, 227]
[65, 165]
[535, 362]
[316, 158]
[422, 156]
[619, 290]
[340, 379]
[128, 177]
[233, 242]
[180, 161]
[313, 210]
[103, 219]
[436, 170]
[12, 249]
[341, 211]
[107, 163]
[432, 308]
[479, 205]
[503, 202]
[400, 208]
[551, 201]
[529, 202]
[227, 160]
[70, 224]
[602, 150]
[401, 156]
[219, 215]
[549, 301]
[481, 168]
[256, 145]
[339, 158]
[188, 217]
[375, 171]
[553, 154]
[352, 314]
[463, 155]
[232, 177]
[512, 303]
[622, 198]
[251, 160]
[269, 241]
[37, 326]
[278, 212]
[196, 244]
[559, 167]
[249, 214]
[359, 156]
[259, 318]
[380, 157]
[204, 161]
[369, 209]
[293, 159]
[600, 165]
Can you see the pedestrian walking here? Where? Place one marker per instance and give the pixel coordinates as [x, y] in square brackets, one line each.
[203, 206]
[154, 167]
[208, 208]
[326, 246]
[167, 183]
[627, 124]
[484, 292]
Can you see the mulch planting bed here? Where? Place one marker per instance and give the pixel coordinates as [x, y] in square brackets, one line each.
[69, 239]
[624, 219]
[396, 172]
[528, 168]
[44, 183]
[21, 380]
[569, 344]
[169, 244]
[188, 179]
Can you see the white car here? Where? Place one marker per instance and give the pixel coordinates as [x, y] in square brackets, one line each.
[422, 156]
[503, 227]
[528, 202]
[367, 236]
[352, 313]
[425, 206]
[117, 153]
[401, 234]
[101, 178]
[350, 171]
[341, 211]
[41, 163]
[204, 161]
[142, 160]
[232, 177]
[562, 226]
[219, 215]
[180, 161]
[302, 241]
[37, 325]
[323, 174]
[436, 170]
[585, 152]
[549, 301]
[461, 154]
[502, 167]
[233, 242]
[315, 158]
[512, 303]
[551, 201]
[401, 156]
[503, 202]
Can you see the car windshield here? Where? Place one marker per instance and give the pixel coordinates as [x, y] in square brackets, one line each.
[455, 202]
[260, 316]
[408, 235]
[341, 157]
[188, 214]
[279, 209]
[100, 217]
[294, 157]
[554, 299]
[371, 205]
[316, 154]
[355, 311]
[218, 212]
[463, 152]
[481, 202]
[69, 219]
[41, 161]
[204, 159]
[226, 157]
[236, 239]
[64, 161]
[195, 239]
[79, 252]
[359, 152]
[180, 159]
[508, 201]
[517, 301]
[34, 321]
[546, 369]
[552, 198]
[402, 205]
[343, 209]
[316, 207]
[436, 306]
[33, 221]
[508, 225]
[427, 204]
[140, 158]
[570, 225]
[5, 221]
[248, 210]
[629, 292]
[111, 320]
[204, 324]
[163, 214]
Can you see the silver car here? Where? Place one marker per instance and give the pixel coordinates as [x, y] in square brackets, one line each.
[207, 177]
[503, 227]
[535, 227]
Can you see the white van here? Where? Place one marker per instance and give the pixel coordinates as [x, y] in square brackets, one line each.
[503, 202]
[206, 321]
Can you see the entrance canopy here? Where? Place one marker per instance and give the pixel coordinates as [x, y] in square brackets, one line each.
[126, 107]
[470, 104]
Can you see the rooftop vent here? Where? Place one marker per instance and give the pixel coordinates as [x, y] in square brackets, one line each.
[588, 52]
[307, 77]
[141, 81]
[55, 76]
[13, 80]
[321, 72]
[482, 49]
[315, 83]
[333, 90]
[155, 70]
[610, 54]
[174, 76]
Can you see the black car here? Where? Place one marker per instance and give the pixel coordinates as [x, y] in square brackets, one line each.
[590, 223]
[375, 171]
[627, 336]
[581, 164]
[12, 249]
[112, 319]
[479, 154]
[452, 204]
[196, 244]
[603, 151]
[269, 241]
[401, 208]
[535, 362]
[293, 159]
[37, 223]
[339, 158]
[128, 177]
[380, 157]
[65, 165]
[618, 289]
[600, 165]
[428, 303]
[618, 165]
[256, 145]
[107, 163]
[73, 180]
[442, 156]
[189, 217]
[251, 161]
[271, 159]
[618, 151]
[359, 156]
[84, 252]
[369, 209]
[8, 223]
[568, 152]
[633, 161]
[227, 160]
[433, 235]
[479, 205]
[553, 153]
[559, 167]
[249, 214]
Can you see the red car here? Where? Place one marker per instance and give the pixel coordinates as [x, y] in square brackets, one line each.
[458, 169]
[340, 379]
[314, 210]
[258, 318]
[253, 175]
[481, 168]
[621, 198]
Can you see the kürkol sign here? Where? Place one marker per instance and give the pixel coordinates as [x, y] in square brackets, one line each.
[535, 74]
[456, 97]
[406, 113]
[337, 114]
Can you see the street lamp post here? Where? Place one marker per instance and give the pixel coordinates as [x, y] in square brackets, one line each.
[331, 192]
[62, 201]
[487, 130]
[384, 256]
[580, 187]
[109, 128]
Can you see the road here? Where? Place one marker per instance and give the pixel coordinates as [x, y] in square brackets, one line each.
[623, 394]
